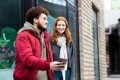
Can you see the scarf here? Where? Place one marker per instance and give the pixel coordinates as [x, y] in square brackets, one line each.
[42, 75]
[63, 52]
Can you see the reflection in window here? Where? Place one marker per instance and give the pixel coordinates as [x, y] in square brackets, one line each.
[95, 44]
[50, 23]
[73, 2]
[9, 24]
[59, 2]
[72, 21]
[72, 18]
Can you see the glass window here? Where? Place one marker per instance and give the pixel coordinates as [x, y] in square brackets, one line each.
[95, 44]
[72, 19]
[59, 2]
[73, 2]
[115, 4]
[9, 24]
[61, 8]
[56, 8]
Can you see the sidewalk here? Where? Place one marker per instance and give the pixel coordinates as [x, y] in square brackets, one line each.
[113, 77]
[7, 74]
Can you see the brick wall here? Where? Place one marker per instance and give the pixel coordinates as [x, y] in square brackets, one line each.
[86, 39]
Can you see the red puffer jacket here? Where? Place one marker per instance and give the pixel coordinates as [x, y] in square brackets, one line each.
[27, 56]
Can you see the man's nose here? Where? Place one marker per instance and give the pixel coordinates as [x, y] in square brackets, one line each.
[46, 22]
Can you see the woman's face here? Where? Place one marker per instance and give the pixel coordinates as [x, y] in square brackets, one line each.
[61, 26]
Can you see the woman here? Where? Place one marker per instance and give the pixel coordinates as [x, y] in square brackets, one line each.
[62, 48]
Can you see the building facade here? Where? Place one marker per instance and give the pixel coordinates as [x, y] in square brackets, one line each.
[92, 40]
[86, 22]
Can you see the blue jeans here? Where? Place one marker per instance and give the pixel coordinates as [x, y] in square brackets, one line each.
[58, 75]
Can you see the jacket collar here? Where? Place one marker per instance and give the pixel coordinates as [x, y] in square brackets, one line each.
[29, 27]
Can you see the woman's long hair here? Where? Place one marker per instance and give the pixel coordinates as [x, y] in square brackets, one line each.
[55, 33]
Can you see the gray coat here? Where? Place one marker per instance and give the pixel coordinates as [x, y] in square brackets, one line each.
[72, 58]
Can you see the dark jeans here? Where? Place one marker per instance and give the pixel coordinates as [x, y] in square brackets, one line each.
[58, 75]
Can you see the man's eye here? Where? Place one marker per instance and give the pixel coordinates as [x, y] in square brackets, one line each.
[45, 18]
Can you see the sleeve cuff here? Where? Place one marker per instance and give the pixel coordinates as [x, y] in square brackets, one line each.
[47, 65]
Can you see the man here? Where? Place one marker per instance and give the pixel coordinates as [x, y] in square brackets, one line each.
[33, 53]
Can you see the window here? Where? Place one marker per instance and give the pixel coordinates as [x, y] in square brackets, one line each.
[9, 24]
[95, 44]
[56, 8]
[68, 9]
[73, 24]
[73, 2]
[58, 2]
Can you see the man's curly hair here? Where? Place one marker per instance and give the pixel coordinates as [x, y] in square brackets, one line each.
[35, 12]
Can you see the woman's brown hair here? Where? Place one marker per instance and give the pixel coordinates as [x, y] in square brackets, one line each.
[67, 32]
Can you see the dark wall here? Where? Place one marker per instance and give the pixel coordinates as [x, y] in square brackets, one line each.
[114, 50]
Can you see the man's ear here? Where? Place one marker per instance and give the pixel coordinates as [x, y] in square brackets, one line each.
[35, 20]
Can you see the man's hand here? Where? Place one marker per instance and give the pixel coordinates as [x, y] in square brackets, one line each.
[57, 66]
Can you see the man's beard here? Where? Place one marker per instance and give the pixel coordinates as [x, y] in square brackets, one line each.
[41, 28]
